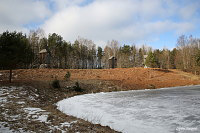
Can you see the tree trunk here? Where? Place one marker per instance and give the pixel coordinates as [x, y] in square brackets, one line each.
[10, 77]
[65, 62]
[100, 63]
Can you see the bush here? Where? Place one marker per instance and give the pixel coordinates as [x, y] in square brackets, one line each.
[56, 84]
[67, 75]
[151, 86]
[77, 88]
[50, 118]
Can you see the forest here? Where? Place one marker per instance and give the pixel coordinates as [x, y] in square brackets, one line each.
[18, 50]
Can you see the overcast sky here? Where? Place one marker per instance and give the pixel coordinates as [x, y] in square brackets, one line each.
[157, 23]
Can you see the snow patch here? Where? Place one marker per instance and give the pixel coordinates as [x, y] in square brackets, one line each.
[9, 95]
[3, 100]
[37, 114]
[4, 128]
[63, 126]
[21, 102]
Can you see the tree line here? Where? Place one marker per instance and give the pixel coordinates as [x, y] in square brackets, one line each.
[83, 53]
[20, 51]
[186, 56]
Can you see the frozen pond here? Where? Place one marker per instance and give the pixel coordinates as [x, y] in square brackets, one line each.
[175, 110]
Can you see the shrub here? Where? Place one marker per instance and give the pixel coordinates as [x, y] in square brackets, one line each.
[151, 86]
[56, 84]
[77, 88]
[50, 118]
[67, 75]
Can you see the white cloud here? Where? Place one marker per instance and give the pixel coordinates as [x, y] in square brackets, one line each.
[62, 4]
[188, 11]
[127, 20]
[101, 20]
[15, 14]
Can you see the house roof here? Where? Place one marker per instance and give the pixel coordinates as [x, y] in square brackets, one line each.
[145, 56]
[43, 51]
[112, 57]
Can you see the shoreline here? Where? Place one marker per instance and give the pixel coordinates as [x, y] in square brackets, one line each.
[37, 82]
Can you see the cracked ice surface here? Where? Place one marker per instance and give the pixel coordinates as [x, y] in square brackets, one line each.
[162, 111]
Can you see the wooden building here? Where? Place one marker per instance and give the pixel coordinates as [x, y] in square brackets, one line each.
[43, 56]
[112, 62]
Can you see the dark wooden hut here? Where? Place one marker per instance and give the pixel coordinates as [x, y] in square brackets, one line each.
[112, 62]
[43, 56]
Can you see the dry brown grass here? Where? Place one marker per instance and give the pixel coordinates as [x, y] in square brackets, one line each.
[38, 81]
[106, 79]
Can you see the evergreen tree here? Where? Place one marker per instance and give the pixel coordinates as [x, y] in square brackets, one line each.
[99, 56]
[151, 60]
[173, 58]
[15, 51]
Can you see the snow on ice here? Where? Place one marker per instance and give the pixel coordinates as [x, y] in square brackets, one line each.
[161, 111]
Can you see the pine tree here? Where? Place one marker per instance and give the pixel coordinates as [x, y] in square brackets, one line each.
[151, 60]
[15, 51]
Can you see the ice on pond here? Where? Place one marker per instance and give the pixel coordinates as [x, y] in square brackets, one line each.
[161, 111]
